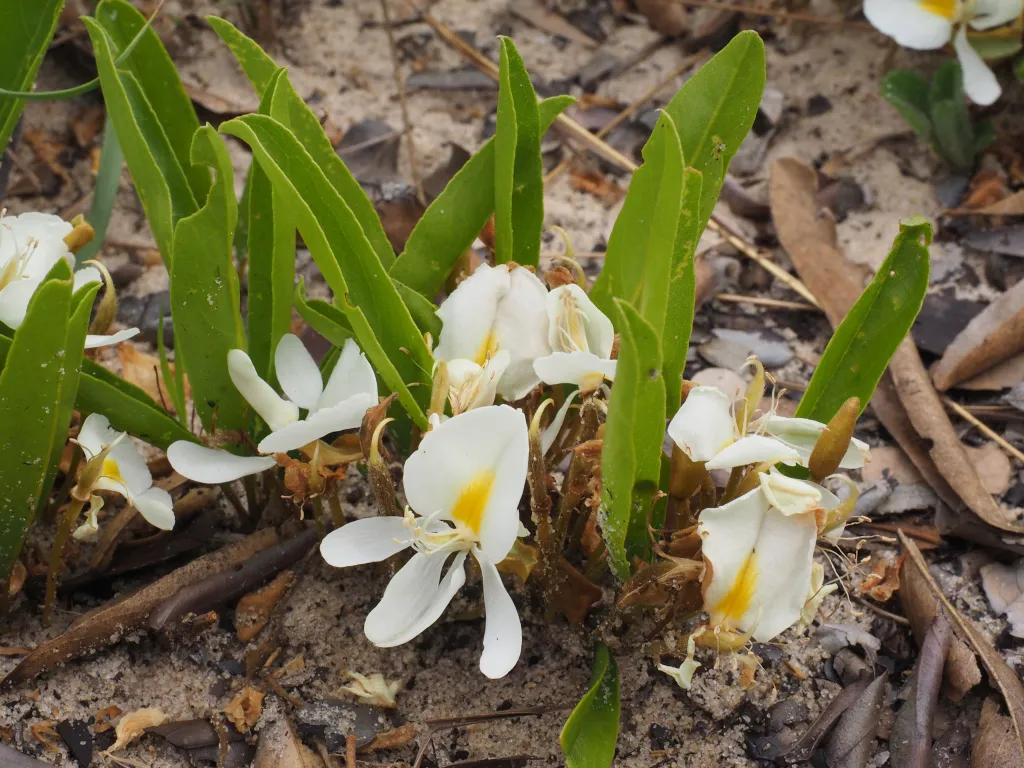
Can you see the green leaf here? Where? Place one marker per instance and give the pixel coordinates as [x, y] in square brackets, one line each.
[322, 316]
[518, 168]
[159, 179]
[26, 29]
[994, 48]
[205, 294]
[422, 309]
[947, 82]
[159, 81]
[271, 262]
[37, 386]
[589, 735]
[371, 303]
[954, 135]
[635, 427]
[681, 291]
[292, 112]
[908, 92]
[108, 184]
[712, 113]
[984, 136]
[174, 381]
[860, 349]
[454, 219]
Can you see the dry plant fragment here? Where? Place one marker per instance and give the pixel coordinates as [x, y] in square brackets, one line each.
[254, 609]
[134, 724]
[374, 689]
[245, 709]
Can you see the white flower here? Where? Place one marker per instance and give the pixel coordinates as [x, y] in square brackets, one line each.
[493, 310]
[683, 674]
[464, 483]
[120, 468]
[581, 339]
[475, 386]
[340, 405]
[31, 244]
[759, 550]
[705, 429]
[928, 24]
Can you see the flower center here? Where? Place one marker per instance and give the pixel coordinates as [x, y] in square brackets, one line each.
[111, 470]
[572, 326]
[432, 536]
[472, 501]
[737, 601]
[487, 349]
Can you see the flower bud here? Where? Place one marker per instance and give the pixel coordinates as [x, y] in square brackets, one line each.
[834, 440]
[107, 309]
[80, 236]
[381, 482]
[746, 408]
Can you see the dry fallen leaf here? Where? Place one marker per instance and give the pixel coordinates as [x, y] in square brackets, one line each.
[104, 718]
[905, 401]
[997, 744]
[374, 689]
[245, 709]
[398, 737]
[893, 461]
[994, 335]
[993, 467]
[134, 724]
[143, 370]
[1001, 376]
[883, 580]
[665, 16]
[1003, 585]
[253, 611]
[281, 747]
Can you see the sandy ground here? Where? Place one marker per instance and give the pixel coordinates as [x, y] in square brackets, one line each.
[343, 68]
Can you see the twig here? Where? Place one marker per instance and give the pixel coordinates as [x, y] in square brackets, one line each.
[736, 298]
[406, 125]
[625, 114]
[894, 617]
[576, 131]
[781, 15]
[350, 751]
[983, 428]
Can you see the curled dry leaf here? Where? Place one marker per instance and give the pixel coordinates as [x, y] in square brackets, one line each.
[804, 747]
[994, 335]
[109, 623]
[245, 709]
[905, 401]
[254, 609]
[134, 724]
[853, 740]
[920, 588]
[883, 580]
[398, 737]
[374, 689]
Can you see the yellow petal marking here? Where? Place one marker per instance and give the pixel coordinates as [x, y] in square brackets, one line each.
[944, 8]
[737, 601]
[469, 507]
[487, 349]
[111, 470]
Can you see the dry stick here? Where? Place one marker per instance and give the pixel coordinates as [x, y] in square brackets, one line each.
[893, 617]
[719, 5]
[400, 86]
[983, 428]
[736, 298]
[612, 155]
[625, 114]
[350, 751]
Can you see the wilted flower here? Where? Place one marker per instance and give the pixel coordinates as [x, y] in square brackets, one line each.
[30, 245]
[925, 25]
[112, 463]
[340, 405]
[759, 552]
[581, 339]
[497, 309]
[463, 485]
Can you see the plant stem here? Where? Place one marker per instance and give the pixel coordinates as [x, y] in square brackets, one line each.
[337, 514]
[67, 522]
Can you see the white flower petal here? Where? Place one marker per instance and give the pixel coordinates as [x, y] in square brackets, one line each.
[473, 386]
[352, 375]
[345, 415]
[96, 434]
[570, 300]
[297, 372]
[124, 470]
[704, 423]
[87, 275]
[789, 495]
[368, 540]
[980, 83]
[272, 408]
[94, 341]
[210, 465]
[414, 599]
[583, 369]
[156, 506]
[753, 449]
[989, 14]
[802, 434]
[521, 328]
[547, 439]
[472, 469]
[88, 530]
[760, 565]
[468, 315]
[14, 299]
[910, 24]
[503, 632]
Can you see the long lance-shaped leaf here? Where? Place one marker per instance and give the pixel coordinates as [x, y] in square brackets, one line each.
[454, 219]
[26, 29]
[370, 301]
[205, 293]
[681, 291]
[631, 456]
[864, 343]
[589, 735]
[159, 80]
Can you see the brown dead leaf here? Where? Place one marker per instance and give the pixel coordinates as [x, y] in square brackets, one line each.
[576, 593]
[253, 611]
[143, 370]
[665, 17]
[47, 152]
[891, 460]
[987, 189]
[110, 622]
[87, 125]
[993, 467]
[921, 591]
[393, 739]
[905, 401]
[1003, 586]
[134, 724]
[997, 744]
[1000, 376]
[536, 14]
[46, 735]
[883, 580]
[598, 185]
[105, 717]
[994, 335]
[17, 580]
[281, 747]
[245, 709]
